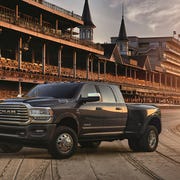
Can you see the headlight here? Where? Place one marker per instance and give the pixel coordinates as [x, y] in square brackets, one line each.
[41, 114]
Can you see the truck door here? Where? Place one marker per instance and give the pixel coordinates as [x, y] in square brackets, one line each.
[89, 115]
[111, 111]
[121, 105]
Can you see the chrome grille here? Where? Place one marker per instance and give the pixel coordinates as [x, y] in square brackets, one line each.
[13, 113]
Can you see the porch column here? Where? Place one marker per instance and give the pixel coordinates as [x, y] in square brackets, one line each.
[176, 82]
[135, 74]
[105, 62]
[116, 65]
[33, 56]
[87, 66]
[71, 31]
[153, 77]
[41, 20]
[126, 73]
[19, 53]
[160, 79]
[60, 60]
[20, 88]
[74, 63]
[57, 25]
[171, 80]
[92, 69]
[99, 69]
[17, 12]
[150, 77]
[165, 80]
[146, 77]
[44, 58]
[130, 72]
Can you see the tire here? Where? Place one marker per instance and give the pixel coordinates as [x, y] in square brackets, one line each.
[90, 144]
[149, 141]
[10, 148]
[64, 143]
[134, 144]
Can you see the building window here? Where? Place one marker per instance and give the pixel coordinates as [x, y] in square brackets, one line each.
[121, 47]
[83, 35]
[88, 34]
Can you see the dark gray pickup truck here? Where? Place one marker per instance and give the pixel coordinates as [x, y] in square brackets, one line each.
[58, 116]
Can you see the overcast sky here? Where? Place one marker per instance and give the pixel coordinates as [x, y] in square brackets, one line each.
[143, 18]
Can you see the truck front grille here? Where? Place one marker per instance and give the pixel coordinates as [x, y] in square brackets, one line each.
[13, 113]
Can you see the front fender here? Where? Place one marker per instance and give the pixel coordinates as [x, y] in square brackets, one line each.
[66, 115]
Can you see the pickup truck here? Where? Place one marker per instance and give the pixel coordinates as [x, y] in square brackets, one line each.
[60, 116]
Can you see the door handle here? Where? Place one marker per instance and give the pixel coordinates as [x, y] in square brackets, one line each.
[98, 108]
[118, 108]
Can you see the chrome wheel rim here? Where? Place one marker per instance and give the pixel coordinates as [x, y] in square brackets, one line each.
[152, 139]
[64, 143]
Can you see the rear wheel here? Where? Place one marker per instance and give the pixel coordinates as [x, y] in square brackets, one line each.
[90, 144]
[10, 148]
[149, 140]
[147, 143]
[64, 143]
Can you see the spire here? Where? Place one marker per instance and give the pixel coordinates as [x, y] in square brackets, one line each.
[122, 32]
[86, 16]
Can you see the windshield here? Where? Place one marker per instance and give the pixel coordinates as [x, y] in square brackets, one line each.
[61, 90]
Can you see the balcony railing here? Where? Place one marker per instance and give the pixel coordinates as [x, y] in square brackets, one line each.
[33, 24]
[33, 71]
[57, 8]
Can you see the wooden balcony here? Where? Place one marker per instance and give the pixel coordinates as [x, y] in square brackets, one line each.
[57, 8]
[33, 24]
[32, 72]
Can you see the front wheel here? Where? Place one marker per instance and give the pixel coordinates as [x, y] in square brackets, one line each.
[64, 143]
[10, 148]
[149, 140]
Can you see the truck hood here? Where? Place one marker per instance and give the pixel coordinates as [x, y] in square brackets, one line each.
[38, 101]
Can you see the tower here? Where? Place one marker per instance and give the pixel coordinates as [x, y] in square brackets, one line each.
[122, 40]
[86, 31]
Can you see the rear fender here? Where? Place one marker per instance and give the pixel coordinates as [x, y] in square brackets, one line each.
[151, 120]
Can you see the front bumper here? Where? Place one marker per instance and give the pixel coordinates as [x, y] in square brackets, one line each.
[33, 135]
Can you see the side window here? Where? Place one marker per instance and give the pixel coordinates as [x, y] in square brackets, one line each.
[107, 94]
[88, 88]
[120, 98]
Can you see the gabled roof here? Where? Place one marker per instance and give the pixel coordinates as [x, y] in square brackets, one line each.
[86, 16]
[108, 49]
[122, 32]
[111, 52]
[141, 61]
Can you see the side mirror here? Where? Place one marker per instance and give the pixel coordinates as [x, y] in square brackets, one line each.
[92, 97]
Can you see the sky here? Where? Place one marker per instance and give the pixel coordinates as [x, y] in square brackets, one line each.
[143, 18]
